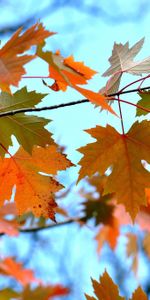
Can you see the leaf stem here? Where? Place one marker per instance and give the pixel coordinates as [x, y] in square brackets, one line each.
[133, 82]
[121, 116]
[34, 77]
[133, 104]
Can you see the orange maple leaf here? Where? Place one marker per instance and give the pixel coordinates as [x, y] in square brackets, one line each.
[108, 233]
[106, 212]
[124, 155]
[11, 62]
[34, 191]
[9, 267]
[105, 289]
[139, 295]
[66, 72]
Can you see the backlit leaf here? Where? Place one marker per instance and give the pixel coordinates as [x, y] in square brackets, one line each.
[44, 292]
[144, 102]
[67, 72]
[14, 269]
[105, 289]
[139, 295]
[34, 191]
[29, 130]
[123, 153]
[11, 62]
[122, 60]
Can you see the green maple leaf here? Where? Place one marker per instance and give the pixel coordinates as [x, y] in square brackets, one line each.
[28, 130]
[144, 102]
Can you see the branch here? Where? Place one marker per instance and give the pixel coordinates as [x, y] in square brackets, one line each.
[37, 229]
[34, 109]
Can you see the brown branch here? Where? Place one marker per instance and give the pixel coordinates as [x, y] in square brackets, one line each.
[34, 109]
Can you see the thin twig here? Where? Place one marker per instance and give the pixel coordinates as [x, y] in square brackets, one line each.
[34, 109]
[37, 229]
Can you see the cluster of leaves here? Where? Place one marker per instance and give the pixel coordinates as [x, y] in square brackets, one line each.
[123, 192]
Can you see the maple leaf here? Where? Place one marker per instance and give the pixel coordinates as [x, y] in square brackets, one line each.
[143, 217]
[11, 62]
[132, 250]
[111, 86]
[44, 292]
[100, 208]
[123, 153]
[105, 289]
[146, 244]
[95, 98]
[28, 130]
[9, 267]
[107, 214]
[110, 231]
[67, 72]
[34, 191]
[8, 294]
[144, 102]
[7, 226]
[122, 60]
[139, 295]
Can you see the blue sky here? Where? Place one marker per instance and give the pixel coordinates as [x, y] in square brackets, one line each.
[89, 39]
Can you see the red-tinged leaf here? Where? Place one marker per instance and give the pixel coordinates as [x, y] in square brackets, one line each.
[34, 191]
[11, 63]
[44, 292]
[14, 269]
[105, 289]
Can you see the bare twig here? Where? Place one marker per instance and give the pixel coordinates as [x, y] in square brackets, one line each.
[37, 229]
[34, 109]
